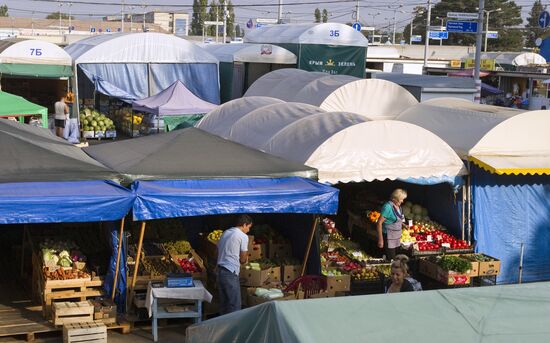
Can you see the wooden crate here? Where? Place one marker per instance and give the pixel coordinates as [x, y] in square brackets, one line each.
[94, 332]
[67, 312]
[77, 289]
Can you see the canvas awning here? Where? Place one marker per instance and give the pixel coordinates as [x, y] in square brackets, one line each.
[174, 100]
[34, 58]
[251, 53]
[181, 198]
[14, 105]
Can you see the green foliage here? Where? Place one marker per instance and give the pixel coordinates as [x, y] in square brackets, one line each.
[238, 31]
[56, 15]
[4, 11]
[317, 15]
[454, 263]
[534, 31]
[324, 16]
[419, 24]
[230, 19]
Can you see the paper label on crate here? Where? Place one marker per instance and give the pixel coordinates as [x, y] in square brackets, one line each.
[357, 254]
[446, 245]
[429, 238]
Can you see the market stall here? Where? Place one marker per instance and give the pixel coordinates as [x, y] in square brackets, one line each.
[205, 178]
[510, 150]
[18, 107]
[242, 64]
[35, 69]
[52, 196]
[114, 70]
[174, 106]
[331, 48]
[375, 99]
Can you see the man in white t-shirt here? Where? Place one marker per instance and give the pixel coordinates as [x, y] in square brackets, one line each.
[232, 252]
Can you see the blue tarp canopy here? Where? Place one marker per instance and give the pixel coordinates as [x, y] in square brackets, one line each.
[510, 210]
[58, 202]
[181, 198]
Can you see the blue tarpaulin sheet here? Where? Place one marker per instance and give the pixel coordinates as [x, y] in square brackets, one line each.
[57, 202]
[510, 210]
[181, 198]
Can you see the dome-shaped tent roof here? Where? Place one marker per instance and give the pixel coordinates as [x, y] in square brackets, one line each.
[460, 123]
[513, 58]
[518, 145]
[311, 33]
[220, 120]
[254, 53]
[253, 128]
[145, 47]
[375, 99]
[377, 150]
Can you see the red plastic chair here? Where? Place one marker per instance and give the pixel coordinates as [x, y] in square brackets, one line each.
[309, 284]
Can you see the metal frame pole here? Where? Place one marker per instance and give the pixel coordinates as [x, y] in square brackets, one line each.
[426, 37]
[479, 40]
[113, 291]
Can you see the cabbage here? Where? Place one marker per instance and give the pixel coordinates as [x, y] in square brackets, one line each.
[424, 212]
[65, 262]
[47, 255]
[64, 254]
[417, 209]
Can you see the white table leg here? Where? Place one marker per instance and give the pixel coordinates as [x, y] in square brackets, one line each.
[155, 327]
[199, 311]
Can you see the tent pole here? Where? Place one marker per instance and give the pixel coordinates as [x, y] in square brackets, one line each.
[310, 241]
[138, 257]
[469, 210]
[118, 257]
[25, 234]
[521, 263]
[463, 209]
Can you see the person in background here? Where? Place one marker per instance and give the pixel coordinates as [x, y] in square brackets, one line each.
[61, 116]
[232, 252]
[390, 223]
[400, 280]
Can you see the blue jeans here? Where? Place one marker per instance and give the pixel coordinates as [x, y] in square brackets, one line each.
[229, 288]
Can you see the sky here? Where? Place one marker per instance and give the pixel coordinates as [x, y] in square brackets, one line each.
[378, 12]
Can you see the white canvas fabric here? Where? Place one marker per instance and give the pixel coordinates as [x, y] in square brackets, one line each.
[251, 53]
[460, 123]
[513, 58]
[33, 51]
[316, 91]
[145, 47]
[311, 33]
[288, 88]
[263, 85]
[220, 120]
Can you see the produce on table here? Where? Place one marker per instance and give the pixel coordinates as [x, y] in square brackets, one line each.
[367, 273]
[189, 265]
[454, 263]
[215, 236]
[92, 120]
[62, 274]
[373, 216]
[332, 272]
[158, 266]
[352, 266]
[384, 269]
[329, 225]
[478, 258]
[415, 212]
[177, 247]
[406, 236]
[260, 264]
[272, 293]
[57, 254]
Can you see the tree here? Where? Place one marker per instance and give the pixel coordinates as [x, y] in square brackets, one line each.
[419, 23]
[230, 18]
[57, 15]
[213, 15]
[238, 32]
[199, 15]
[317, 15]
[4, 11]
[325, 15]
[534, 31]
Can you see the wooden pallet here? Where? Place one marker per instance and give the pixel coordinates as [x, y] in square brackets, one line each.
[24, 323]
[77, 289]
[72, 312]
[93, 332]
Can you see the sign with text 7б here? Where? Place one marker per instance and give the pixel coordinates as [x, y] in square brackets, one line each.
[462, 26]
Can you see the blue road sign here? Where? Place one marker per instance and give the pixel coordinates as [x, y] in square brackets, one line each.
[416, 38]
[356, 27]
[249, 23]
[439, 35]
[492, 35]
[108, 29]
[92, 29]
[258, 25]
[544, 19]
[462, 26]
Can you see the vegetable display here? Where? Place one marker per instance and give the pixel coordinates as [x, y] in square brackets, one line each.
[92, 120]
[454, 263]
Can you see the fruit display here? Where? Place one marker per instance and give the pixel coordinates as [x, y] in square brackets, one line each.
[329, 225]
[215, 236]
[158, 266]
[373, 216]
[189, 265]
[478, 258]
[257, 266]
[366, 273]
[406, 236]
[352, 266]
[383, 269]
[91, 120]
[62, 274]
[179, 247]
[331, 272]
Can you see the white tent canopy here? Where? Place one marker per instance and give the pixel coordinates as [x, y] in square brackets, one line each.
[220, 120]
[513, 58]
[518, 145]
[460, 123]
[374, 99]
[343, 146]
[31, 51]
[311, 33]
[148, 47]
[251, 53]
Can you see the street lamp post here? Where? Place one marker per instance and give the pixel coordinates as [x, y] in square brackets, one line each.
[487, 24]
[374, 16]
[70, 4]
[442, 22]
[60, 4]
[394, 14]
[427, 37]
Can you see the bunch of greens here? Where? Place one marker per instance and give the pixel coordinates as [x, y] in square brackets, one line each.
[454, 263]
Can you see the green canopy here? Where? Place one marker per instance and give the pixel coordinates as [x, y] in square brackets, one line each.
[497, 314]
[36, 70]
[14, 105]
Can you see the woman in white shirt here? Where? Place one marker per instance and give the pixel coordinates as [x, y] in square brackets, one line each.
[61, 116]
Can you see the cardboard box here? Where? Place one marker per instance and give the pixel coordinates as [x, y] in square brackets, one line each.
[279, 250]
[254, 278]
[340, 283]
[257, 251]
[474, 269]
[489, 268]
[326, 294]
[291, 272]
[446, 277]
[275, 274]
